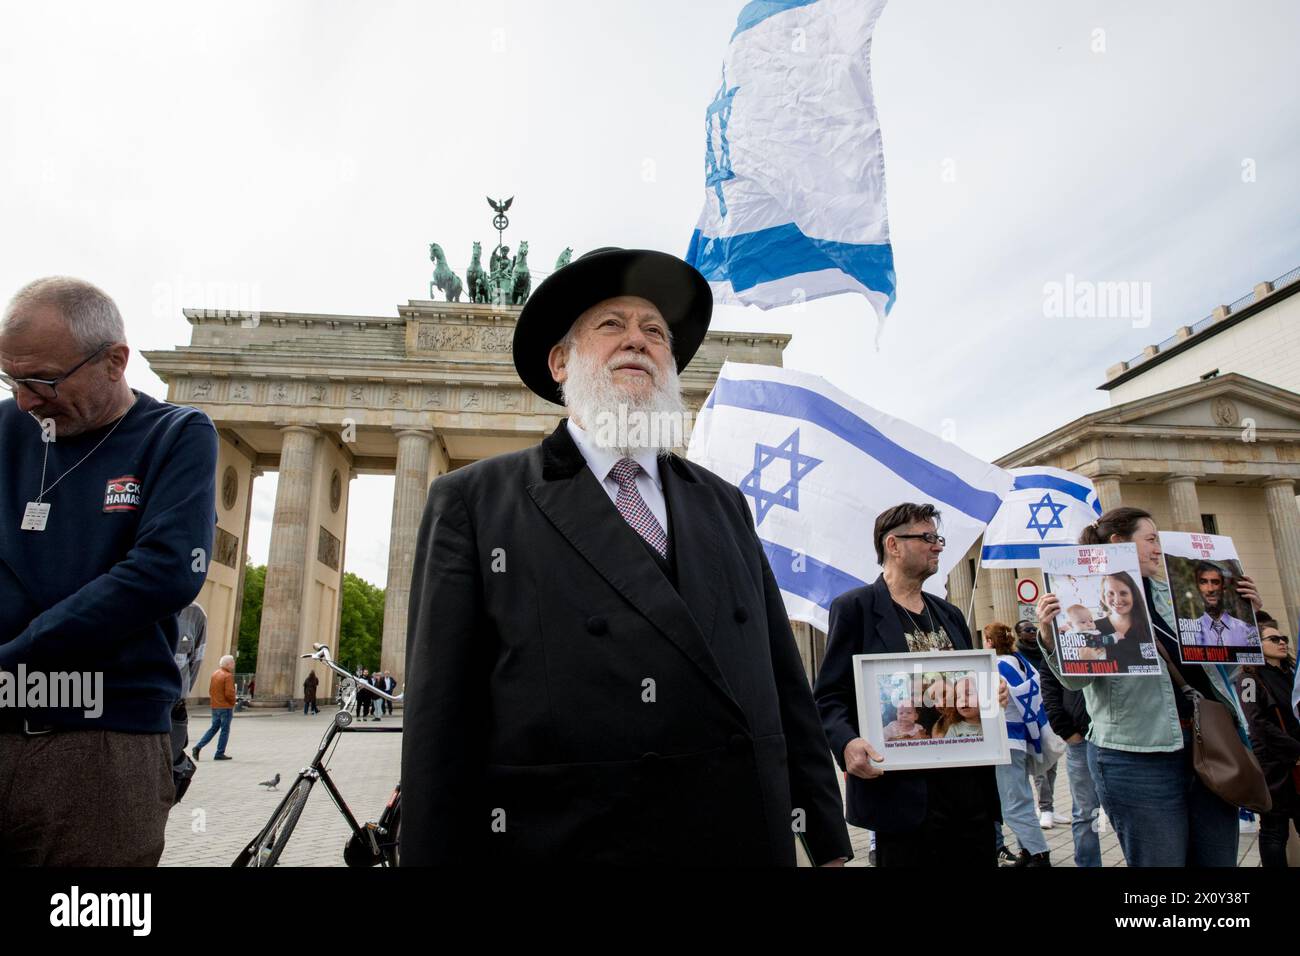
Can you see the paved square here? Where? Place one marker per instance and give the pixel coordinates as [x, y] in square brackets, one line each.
[225, 807]
[1060, 844]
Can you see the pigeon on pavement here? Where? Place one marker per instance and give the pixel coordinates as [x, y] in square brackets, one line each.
[272, 783]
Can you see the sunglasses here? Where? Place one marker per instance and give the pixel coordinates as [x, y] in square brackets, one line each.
[1278, 638]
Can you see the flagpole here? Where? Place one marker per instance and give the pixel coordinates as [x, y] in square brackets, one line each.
[975, 583]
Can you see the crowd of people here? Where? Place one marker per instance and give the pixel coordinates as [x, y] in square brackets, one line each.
[625, 688]
[1127, 742]
[370, 706]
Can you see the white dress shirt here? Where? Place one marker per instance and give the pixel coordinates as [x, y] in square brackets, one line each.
[601, 460]
[1235, 632]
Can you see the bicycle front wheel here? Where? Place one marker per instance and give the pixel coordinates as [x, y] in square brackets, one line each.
[271, 842]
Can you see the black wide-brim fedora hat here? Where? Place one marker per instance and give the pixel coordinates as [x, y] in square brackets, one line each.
[678, 291]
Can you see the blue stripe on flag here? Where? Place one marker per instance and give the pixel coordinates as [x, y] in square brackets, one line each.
[756, 11]
[1008, 552]
[1052, 483]
[778, 252]
[818, 582]
[794, 401]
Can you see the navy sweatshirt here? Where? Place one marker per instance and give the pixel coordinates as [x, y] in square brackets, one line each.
[125, 549]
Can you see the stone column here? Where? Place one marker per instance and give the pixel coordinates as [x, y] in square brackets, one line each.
[253, 474]
[1184, 506]
[1107, 491]
[1005, 607]
[410, 490]
[277, 645]
[960, 585]
[1284, 522]
[328, 679]
[803, 640]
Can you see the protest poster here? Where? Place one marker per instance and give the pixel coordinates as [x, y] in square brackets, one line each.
[1215, 624]
[1103, 628]
[931, 709]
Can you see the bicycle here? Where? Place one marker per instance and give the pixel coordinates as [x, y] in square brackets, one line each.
[371, 844]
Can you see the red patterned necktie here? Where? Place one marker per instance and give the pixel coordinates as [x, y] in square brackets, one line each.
[633, 508]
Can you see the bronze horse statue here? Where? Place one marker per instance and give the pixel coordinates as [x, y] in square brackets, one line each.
[476, 277]
[444, 279]
[521, 281]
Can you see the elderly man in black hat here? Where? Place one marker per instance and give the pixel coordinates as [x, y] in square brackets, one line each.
[599, 666]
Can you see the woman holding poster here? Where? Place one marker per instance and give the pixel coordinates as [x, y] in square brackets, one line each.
[1140, 744]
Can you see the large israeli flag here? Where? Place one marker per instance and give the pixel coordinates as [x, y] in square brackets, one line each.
[1046, 506]
[794, 169]
[817, 467]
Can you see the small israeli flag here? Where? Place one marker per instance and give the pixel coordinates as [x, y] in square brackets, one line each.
[1046, 506]
[794, 168]
[817, 467]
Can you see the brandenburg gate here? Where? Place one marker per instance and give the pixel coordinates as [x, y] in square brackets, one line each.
[324, 398]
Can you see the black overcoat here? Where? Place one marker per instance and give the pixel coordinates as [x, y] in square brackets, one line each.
[565, 703]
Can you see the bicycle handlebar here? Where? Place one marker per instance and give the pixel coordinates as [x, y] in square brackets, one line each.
[322, 654]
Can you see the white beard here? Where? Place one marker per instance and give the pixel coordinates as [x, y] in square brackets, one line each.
[621, 422]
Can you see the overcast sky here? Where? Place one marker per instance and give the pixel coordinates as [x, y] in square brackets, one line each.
[300, 156]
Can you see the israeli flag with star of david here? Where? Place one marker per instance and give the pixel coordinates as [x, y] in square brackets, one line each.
[1046, 506]
[816, 467]
[794, 167]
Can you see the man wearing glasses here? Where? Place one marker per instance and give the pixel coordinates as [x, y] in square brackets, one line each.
[1265, 694]
[920, 817]
[107, 506]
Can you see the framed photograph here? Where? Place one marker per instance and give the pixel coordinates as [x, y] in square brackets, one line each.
[1103, 627]
[935, 709]
[1216, 625]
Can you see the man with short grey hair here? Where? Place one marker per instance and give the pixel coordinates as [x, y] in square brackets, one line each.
[107, 508]
[221, 698]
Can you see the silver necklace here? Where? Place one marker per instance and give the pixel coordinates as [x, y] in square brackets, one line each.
[928, 619]
[37, 512]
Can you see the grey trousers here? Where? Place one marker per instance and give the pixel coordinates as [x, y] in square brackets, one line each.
[1046, 783]
[84, 798]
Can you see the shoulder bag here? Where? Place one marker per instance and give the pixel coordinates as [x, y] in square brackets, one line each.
[1225, 765]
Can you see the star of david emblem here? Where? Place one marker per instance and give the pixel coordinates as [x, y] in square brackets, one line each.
[1036, 523]
[1024, 699]
[787, 496]
[1031, 715]
[717, 165]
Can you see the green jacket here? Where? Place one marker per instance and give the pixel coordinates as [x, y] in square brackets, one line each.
[1139, 713]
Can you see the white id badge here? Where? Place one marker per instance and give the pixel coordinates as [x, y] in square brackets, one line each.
[35, 516]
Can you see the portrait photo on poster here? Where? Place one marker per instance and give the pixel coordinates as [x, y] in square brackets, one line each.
[926, 710]
[1216, 625]
[1103, 628]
